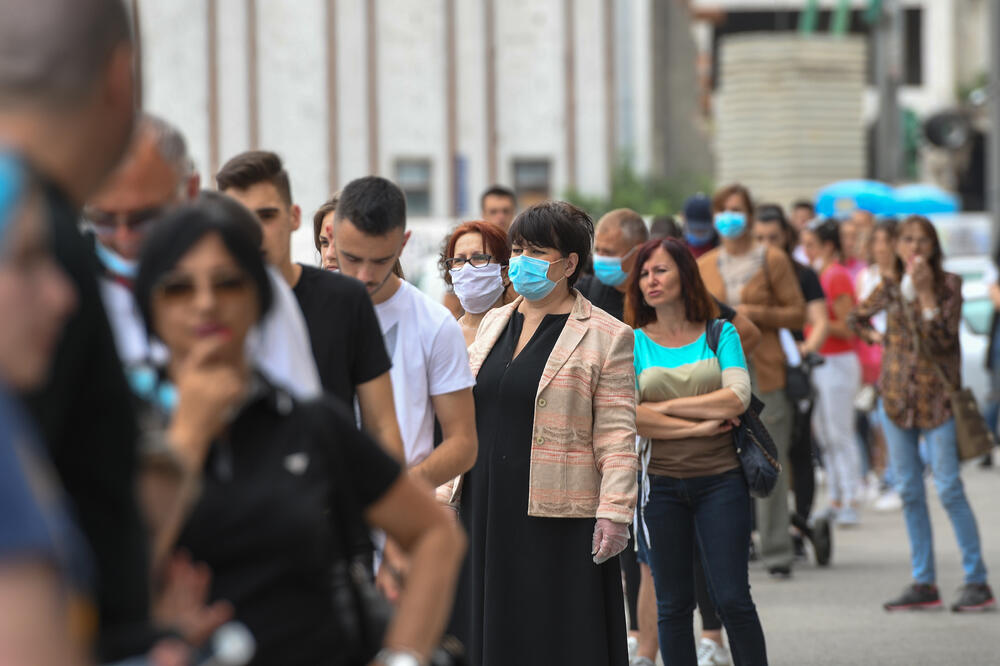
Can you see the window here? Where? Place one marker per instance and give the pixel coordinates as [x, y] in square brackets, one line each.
[532, 182]
[414, 177]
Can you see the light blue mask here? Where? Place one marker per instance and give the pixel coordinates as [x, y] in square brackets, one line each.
[116, 263]
[11, 190]
[730, 224]
[146, 383]
[529, 276]
[609, 269]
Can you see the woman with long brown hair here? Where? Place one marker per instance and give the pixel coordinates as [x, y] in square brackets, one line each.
[923, 310]
[694, 492]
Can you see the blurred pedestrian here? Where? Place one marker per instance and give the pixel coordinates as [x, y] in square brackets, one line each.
[700, 235]
[838, 379]
[555, 414]
[923, 310]
[323, 233]
[67, 104]
[803, 212]
[47, 608]
[272, 486]
[665, 226]
[772, 229]
[475, 263]
[157, 175]
[760, 283]
[498, 205]
[695, 498]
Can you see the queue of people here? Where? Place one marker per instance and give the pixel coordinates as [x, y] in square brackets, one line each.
[200, 435]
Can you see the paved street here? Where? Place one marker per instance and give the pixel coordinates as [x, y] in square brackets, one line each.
[834, 616]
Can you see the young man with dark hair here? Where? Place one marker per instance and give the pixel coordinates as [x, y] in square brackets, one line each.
[498, 205]
[430, 367]
[344, 332]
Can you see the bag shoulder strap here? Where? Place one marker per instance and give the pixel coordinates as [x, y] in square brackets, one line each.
[713, 331]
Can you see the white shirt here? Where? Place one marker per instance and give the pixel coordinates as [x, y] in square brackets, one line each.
[279, 345]
[428, 356]
[868, 279]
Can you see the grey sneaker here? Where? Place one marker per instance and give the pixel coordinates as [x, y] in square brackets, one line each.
[916, 597]
[974, 597]
[642, 661]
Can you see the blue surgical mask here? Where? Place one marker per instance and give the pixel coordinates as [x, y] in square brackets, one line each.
[529, 276]
[730, 224]
[609, 269]
[115, 263]
[698, 239]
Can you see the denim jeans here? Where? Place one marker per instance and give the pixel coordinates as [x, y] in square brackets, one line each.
[908, 471]
[714, 512]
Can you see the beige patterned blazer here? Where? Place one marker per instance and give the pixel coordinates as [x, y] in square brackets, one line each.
[583, 460]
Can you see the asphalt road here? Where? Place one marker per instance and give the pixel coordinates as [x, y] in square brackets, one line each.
[834, 615]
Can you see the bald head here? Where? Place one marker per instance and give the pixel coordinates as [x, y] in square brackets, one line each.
[627, 222]
[154, 175]
[52, 52]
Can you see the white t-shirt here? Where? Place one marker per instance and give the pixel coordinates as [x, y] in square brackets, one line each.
[428, 356]
[279, 346]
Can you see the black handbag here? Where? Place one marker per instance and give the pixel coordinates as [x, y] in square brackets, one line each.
[756, 450]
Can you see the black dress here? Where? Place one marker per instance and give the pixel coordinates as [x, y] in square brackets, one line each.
[529, 593]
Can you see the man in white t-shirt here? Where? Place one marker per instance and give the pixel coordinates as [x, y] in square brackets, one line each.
[430, 367]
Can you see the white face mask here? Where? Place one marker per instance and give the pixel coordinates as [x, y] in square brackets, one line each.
[477, 288]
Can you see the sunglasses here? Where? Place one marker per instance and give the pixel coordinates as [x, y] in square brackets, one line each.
[105, 223]
[177, 289]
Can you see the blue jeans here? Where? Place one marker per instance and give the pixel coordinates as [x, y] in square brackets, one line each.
[713, 511]
[908, 470]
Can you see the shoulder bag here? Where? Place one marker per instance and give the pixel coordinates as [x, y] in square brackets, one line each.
[756, 450]
[972, 435]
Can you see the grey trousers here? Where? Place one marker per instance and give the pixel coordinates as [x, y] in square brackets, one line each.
[772, 513]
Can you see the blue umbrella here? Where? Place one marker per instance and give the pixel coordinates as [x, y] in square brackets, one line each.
[845, 196]
[924, 199]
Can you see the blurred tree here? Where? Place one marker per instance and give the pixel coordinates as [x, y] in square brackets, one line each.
[649, 195]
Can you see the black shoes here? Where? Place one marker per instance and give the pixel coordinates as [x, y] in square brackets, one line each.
[916, 597]
[822, 541]
[973, 598]
[780, 572]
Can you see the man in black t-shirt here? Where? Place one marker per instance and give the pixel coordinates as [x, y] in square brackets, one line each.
[346, 339]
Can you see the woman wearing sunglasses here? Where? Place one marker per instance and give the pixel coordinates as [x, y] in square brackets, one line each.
[264, 500]
[475, 266]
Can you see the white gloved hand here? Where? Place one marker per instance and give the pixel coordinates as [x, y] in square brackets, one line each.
[610, 538]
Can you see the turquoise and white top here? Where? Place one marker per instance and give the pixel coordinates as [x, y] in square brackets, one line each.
[664, 373]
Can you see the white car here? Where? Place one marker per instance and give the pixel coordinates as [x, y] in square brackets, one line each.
[977, 315]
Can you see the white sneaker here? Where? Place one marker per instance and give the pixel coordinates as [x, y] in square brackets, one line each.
[642, 661]
[633, 646]
[711, 653]
[848, 517]
[888, 501]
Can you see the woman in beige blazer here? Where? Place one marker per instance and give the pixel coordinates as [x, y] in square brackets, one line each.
[555, 413]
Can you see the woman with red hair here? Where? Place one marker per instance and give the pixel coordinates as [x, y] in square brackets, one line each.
[693, 490]
[475, 265]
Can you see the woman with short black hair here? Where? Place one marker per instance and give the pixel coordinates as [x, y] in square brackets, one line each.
[550, 499]
[270, 485]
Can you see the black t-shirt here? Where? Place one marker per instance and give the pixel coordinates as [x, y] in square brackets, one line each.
[343, 329]
[612, 301]
[812, 290]
[267, 522]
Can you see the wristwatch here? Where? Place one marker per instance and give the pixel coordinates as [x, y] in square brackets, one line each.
[390, 657]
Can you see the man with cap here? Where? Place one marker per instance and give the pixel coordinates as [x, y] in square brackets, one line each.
[699, 232]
